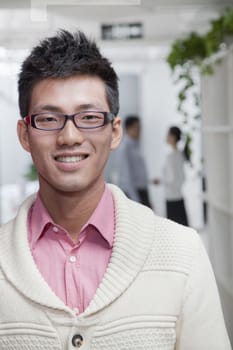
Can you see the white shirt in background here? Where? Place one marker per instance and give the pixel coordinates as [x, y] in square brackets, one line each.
[173, 175]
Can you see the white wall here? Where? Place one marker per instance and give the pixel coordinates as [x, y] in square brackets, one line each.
[13, 160]
[217, 105]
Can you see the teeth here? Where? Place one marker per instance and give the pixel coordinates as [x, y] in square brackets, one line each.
[69, 159]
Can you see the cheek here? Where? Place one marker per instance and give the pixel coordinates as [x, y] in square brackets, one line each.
[39, 146]
[106, 144]
[36, 147]
[42, 140]
[37, 156]
[100, 139]
[102, 148]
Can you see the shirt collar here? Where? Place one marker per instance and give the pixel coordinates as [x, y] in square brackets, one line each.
[103, 218]
[38, 219]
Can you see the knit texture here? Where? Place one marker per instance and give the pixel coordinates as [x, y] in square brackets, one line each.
[27, 342]
[143, 339]
[163, 256]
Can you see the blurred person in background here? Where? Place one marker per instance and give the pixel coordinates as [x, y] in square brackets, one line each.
[173, 177]
[133, 175]
[81, 265]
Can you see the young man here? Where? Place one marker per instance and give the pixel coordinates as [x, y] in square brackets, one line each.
[82, 266]
[133, 172]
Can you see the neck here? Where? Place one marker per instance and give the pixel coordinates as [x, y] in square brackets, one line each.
[174, 146]
[71, 210]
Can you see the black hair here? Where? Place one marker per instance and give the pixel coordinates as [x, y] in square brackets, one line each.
[130, 120]
[62, 56]
[177, 133]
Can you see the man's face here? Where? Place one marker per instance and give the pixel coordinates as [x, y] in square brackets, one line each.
[134, 131]
[70, 159]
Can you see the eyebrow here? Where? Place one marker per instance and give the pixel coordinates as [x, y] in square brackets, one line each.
[82, 107]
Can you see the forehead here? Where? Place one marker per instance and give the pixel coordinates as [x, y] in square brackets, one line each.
[72, 91]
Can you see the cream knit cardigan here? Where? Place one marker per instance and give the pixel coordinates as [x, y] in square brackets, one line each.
[158, 292]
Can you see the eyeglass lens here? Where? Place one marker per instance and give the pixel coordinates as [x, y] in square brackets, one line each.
[52, 121]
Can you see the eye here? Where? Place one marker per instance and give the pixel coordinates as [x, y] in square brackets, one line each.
[44, 118]
[91, 116]
[89, 119]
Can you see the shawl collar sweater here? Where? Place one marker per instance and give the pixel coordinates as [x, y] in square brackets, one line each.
[158, 292]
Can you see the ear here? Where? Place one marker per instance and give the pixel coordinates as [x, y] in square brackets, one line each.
[22, 130]
[116, 133]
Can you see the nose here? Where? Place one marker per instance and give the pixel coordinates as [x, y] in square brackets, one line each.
[70, 135]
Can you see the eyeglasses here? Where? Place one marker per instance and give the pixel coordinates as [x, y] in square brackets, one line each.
[49, 121]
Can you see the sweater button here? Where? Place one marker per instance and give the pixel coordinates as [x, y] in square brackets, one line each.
[77, 340]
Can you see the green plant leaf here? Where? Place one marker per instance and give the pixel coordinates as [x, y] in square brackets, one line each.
[32, 174]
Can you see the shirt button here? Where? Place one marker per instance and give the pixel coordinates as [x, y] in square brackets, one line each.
[72, 258]
[55, 229]
[76, 310]
[77, 340]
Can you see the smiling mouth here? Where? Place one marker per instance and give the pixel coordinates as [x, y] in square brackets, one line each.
[70, 159]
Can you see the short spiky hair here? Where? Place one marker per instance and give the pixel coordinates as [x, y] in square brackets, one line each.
[63, 56]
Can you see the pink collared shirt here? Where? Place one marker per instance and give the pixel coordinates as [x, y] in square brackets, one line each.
[73, 271]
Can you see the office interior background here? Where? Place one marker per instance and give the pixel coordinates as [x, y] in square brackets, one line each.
[137, 37]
